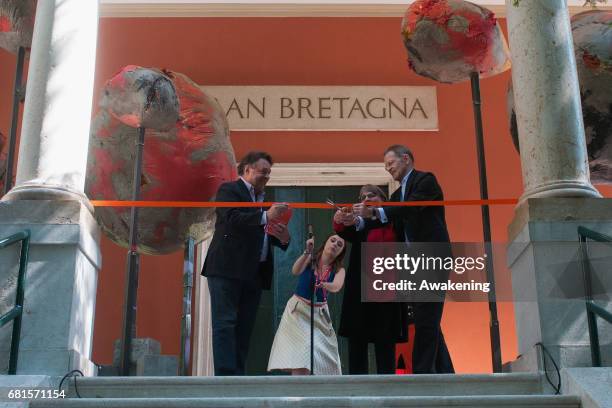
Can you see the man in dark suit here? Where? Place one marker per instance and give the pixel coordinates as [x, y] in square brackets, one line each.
[239, 262]
[416, 224]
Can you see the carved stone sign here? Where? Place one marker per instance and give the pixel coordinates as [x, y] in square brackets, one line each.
[328, 107]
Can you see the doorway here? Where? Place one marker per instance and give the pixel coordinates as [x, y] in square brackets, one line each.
[294, 182]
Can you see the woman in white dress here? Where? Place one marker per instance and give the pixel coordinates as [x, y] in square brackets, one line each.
[291, 347]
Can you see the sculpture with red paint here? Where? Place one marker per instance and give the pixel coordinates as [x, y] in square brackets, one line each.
[593, 52]
[16, 24]
[185, 162]
[447, 40]
[142, 97]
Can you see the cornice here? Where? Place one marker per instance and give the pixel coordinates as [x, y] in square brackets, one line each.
[117, 8]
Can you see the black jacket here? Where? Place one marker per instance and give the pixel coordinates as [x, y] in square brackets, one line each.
[236, 245]
[368, 322]
[419, 223]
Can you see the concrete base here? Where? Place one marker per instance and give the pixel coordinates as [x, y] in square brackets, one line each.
[592, 385]
[565, 356]
[547, 281]
[157, 366]
[146, 359]
[60, 287]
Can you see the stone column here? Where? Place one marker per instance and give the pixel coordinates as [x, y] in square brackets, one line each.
[57, 113]
[49, 200]
[547, 284]
[547, 97]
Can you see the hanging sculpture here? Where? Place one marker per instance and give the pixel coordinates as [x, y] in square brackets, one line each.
[448, 40]
[593, 50]
[16, 24]
[184, 160]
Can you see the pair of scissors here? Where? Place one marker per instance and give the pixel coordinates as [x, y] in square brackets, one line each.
[331, 202]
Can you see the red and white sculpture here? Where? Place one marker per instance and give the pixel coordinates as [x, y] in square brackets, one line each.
[16, 24]
[447, 40]
[186, 160]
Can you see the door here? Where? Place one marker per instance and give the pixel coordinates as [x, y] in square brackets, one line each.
[273, 302]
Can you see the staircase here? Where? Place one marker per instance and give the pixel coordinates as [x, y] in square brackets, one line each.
[483, 391]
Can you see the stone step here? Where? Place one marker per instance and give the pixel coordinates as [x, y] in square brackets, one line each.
[500, 401]
[308, 386]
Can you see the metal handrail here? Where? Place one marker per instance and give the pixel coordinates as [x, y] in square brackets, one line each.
[16, 312]
[593, 310]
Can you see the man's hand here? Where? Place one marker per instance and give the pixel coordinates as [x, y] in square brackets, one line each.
[363, 210]
[346, 218]
[274, 212]
[279, 231]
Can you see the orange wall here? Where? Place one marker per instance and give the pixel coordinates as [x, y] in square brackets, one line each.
[303, 51]
[308, 51]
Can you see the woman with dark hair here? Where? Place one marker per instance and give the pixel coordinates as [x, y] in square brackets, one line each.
[291, 347]
[383, 324]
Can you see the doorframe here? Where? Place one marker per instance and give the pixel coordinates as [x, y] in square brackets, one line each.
[283, 175]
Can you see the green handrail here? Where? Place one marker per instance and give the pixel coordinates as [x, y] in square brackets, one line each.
[16, 312]
[593, 310]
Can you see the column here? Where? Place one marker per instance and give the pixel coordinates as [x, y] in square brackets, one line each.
[49, 200]
[547, 97]
[57, 114]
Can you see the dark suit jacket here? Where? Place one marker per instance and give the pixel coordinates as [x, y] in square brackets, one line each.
[235, 249]
[419, 224]
[373, 321]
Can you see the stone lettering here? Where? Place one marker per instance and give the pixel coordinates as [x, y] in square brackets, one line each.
[234, 106]
[304, 104]
[325, 107]
[393, 105]
[286, 103]
[417, 106]
[341, 104]
[383, 115]
[357, 107]
[261, 110]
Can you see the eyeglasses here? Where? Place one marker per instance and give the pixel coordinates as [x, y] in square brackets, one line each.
[367, 195]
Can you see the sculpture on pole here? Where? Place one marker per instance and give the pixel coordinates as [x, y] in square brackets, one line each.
[186, 162]
[188, 155]
[453, 41]
[16, 24]
[448, 40]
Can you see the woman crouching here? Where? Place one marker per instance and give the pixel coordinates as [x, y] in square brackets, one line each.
[291, 347]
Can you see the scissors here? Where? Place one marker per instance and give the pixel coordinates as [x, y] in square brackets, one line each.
[331, 202]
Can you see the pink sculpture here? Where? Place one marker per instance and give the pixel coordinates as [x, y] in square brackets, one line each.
[187, 162]
[592, 33]
[447, 40]
[593, 50]
[16, 24]
[141, 97]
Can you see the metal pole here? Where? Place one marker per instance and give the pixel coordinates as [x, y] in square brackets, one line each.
[19, 298]
[18, 95]
[133, 266]
[186, 321]
[588, 297]
[486, 225]
[313, 266]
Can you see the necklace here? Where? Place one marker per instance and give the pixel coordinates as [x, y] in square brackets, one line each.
[323, 276]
